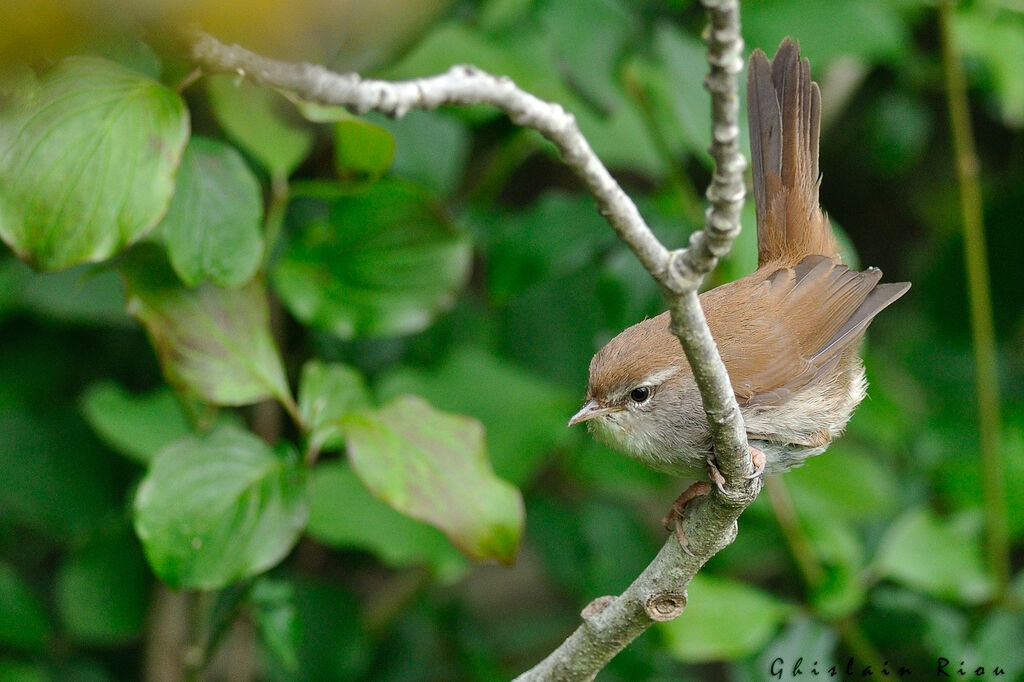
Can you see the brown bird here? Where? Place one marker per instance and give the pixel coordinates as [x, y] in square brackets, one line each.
[788, 332]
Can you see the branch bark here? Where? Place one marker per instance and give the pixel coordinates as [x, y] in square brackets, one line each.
[659, 593]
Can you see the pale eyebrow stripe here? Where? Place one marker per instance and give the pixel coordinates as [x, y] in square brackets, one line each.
[659, 377]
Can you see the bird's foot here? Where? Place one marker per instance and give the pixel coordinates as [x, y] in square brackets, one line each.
[674, 518]
[715, 475]
[759, 459]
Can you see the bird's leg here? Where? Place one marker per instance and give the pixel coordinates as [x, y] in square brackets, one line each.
[674, 519]
[759, 459]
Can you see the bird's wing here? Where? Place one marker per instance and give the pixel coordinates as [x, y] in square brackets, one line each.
[785, 327]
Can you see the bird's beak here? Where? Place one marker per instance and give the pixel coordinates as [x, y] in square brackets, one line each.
[590, 410]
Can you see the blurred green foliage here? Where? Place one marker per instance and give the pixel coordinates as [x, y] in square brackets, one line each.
[448, 255]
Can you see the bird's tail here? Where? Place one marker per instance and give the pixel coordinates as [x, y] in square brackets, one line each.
[784, 112]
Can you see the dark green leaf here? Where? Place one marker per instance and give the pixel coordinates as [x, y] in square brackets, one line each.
[212, 227]
[871, 29]
[255, 118]
[908, 555]
[526, 250]
[433, 466]
[86, 294]
[361, 148]
[211, 342]
[996, 40]
[845, 482]
[677, 85]
[23, 623]
[452, 43]
[216, 509]
[344, 514]
[138, 426]
[590, 57]
[466, 382]
[840, 553]
[335, 644]
[273, 610]
[568, 309]
[710, 629]
[60, 491]
[326, 394]
[431, 148]
[87, 162]
[997, 642]
[378, 260]
[16, 671]
[801, 638]
[102, 590]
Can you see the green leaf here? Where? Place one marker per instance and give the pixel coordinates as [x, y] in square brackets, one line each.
[908, 555]
[23, 623]
[216, 509]
[996, 40]
[335, 644]
[433, 466]
[431, 148]
[589, 57]
[16, 671]
[525, 250]
[102, 590]
[82, 295]
[375, 260]
[328, 392]
[361, 148]
[273, 610]
[344, 514]
[677, 85]
[872, 29]
[255, 119]
[845, 482]
[464, 383]
[997, 642]
[87, 162]
[49, 485]
[138, 426]
[842, 589]
[801, 638]
[212, 228]
[453, 43]
[710, 629]
[212, 342]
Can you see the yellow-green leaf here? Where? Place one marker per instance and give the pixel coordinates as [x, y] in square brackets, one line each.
[433, 466]
[87, 161]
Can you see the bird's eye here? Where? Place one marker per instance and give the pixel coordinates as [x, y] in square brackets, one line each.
[640, 394]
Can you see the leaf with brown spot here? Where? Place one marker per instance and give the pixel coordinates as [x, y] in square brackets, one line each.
[434, 467]
[212, 342]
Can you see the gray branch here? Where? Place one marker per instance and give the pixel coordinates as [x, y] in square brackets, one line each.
[659, 593]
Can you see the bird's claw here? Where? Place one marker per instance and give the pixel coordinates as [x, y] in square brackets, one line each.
[715, 475]
[759, 459]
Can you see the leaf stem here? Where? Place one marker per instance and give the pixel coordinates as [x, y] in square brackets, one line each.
[980, 300]
[190, 78]
[280, 192]
[799, 544]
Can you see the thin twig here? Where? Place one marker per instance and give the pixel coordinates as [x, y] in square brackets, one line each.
[980, 298]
